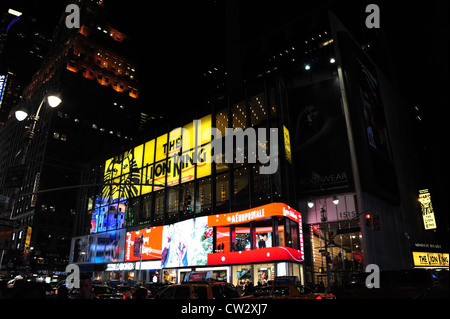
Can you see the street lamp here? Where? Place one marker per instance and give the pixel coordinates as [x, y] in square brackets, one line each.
[21, 114]
[53, 101]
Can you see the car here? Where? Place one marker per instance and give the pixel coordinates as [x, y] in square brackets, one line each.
[126, 291]
[100, 292]
[199, 290]
[287, 291]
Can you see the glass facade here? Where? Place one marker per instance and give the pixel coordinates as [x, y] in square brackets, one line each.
[133, 197]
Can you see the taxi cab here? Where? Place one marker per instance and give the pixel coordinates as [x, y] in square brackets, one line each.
[197, 286]
[287, 289]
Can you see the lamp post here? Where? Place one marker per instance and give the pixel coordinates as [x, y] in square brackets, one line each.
[21, 114]
[324, 222]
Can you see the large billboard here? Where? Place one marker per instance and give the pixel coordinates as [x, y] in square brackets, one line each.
[319, 141]
[157, 162]
[190, 243]
[150, 247]
[368, 119]
[187, 243]
[105, 247]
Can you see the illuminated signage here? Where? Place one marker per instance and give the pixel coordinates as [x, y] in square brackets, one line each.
[425, 259]
[3, 79]
[178, 156]
[287, 144]
[273, 209]
[427, 209]
[106, 247]
[187, 243]
[151, 244]
[190, 242]
[120, 267]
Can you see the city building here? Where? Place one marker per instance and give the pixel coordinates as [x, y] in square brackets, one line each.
[346, 167]
[91, 71]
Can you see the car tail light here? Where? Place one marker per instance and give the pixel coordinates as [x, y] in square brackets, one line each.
[318, 297]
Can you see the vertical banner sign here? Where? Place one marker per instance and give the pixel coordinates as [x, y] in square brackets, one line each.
[427, 209]
[2, 87]
[287, 144]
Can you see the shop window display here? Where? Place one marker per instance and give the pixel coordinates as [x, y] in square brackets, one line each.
[243, 240]
[263, 230]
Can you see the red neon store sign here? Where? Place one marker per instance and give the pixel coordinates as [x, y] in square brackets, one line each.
[246, 254]
[269, 210]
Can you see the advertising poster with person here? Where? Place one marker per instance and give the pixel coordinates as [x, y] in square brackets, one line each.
[187, 243]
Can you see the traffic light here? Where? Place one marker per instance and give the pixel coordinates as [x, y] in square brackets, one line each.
[368, 219]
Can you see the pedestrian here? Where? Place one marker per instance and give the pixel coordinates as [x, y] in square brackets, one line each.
[86, 289]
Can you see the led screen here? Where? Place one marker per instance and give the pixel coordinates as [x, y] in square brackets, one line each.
[187, 243]
[151, 244]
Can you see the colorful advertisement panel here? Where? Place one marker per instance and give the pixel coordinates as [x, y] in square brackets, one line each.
[190, 242]
[187, 243]
[159, 162]
[99, 248]
[151, 244]
[426, 206]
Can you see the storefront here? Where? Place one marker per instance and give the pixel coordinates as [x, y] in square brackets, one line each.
[255, 244]
[334, 235]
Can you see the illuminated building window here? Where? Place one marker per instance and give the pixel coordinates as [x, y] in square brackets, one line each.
[223, 193]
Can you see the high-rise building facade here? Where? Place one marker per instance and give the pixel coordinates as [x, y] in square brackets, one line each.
[90, 70]
[346, 165]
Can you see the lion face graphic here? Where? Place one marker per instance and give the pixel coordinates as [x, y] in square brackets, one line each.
[122, 177]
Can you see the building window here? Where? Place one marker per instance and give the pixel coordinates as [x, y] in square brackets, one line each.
[292, 234]
[223, 239]
[222, 192]
[204, 197]
[261, 186]
[258, 111]
[243, 238]
[264, 232]
[239, 116]
[145, 213]
[172, 200]
[188, 198]
[241, 191]
[159, 205]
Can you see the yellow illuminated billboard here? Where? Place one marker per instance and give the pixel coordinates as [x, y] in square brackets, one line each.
[426, 259]
[429, 221]
[181, 155]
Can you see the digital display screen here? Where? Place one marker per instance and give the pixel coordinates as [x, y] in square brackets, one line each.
[187, 243]
[151, 244]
